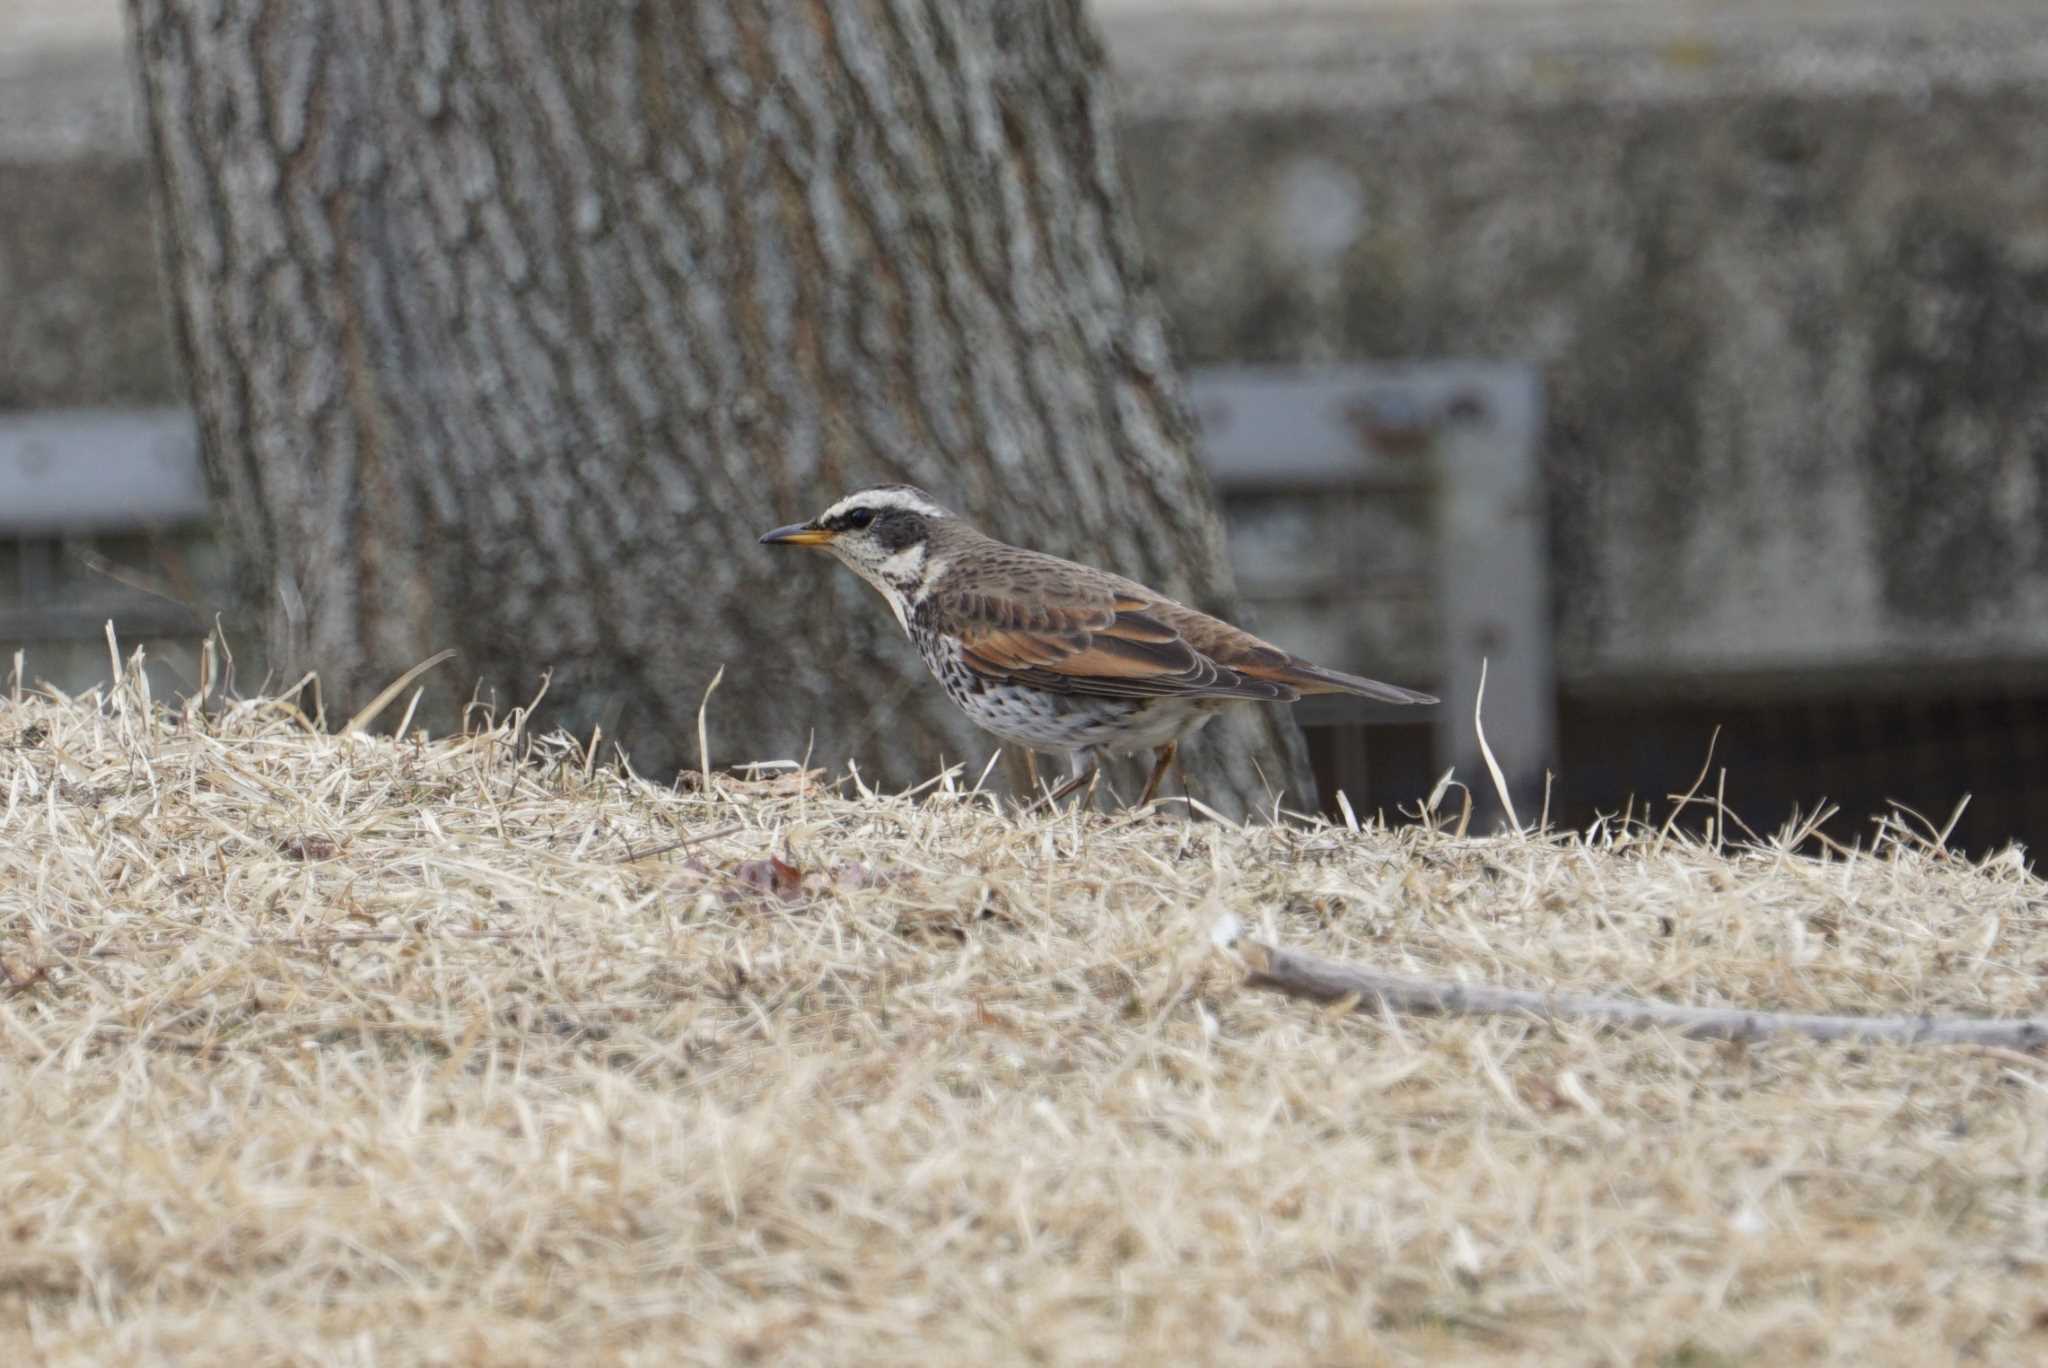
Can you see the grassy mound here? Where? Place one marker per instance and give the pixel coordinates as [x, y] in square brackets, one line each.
[345, 1049]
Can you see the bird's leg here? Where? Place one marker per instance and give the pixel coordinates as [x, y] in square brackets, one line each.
[1084, 770]
[1163, 757]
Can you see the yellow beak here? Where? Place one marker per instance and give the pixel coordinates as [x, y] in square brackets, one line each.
[797, 534]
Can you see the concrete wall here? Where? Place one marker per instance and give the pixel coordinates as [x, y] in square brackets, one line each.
[1785, 266]
[82, 322]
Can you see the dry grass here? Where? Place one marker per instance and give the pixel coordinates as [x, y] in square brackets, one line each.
[339, 1049]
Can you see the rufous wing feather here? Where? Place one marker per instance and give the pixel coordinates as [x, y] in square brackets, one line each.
[1104, 646]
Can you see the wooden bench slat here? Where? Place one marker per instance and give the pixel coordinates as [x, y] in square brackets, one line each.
[99, 470]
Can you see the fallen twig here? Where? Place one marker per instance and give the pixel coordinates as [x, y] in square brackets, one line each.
[633, 856]
[1321, 980]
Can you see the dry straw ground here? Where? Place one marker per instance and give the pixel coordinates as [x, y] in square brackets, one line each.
[338, 1049]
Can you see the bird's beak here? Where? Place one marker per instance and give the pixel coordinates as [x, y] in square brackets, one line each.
[798, 534]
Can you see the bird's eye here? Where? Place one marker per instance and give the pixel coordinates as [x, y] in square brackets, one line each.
[859, 517]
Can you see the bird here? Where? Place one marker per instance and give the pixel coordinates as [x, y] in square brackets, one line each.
[1050, 654]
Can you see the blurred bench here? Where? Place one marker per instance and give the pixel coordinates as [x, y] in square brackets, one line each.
[100, 511]
[1389, 520]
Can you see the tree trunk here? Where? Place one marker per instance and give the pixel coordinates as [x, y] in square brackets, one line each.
[511, 326]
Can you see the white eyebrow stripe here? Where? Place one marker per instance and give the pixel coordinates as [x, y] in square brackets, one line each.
[884, 498]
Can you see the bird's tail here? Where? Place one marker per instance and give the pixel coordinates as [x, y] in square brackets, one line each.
[1314, 679]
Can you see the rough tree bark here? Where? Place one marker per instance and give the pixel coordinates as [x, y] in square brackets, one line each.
[511, 325]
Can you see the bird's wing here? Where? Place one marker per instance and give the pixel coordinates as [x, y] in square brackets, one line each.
[1086, 639]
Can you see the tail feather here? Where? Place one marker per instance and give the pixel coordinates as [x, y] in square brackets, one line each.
[1314, 679]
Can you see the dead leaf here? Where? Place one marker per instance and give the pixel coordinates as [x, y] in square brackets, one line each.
[21, 980]
[308, 848]
[771, 876]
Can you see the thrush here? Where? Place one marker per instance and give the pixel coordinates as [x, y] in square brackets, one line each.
[1052, 655]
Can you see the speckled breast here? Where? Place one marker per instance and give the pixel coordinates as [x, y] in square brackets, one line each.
[1045, 719]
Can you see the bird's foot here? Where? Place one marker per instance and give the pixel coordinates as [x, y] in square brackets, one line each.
[1051, 800]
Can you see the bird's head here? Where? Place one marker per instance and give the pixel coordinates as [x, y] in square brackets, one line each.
[883, 534]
